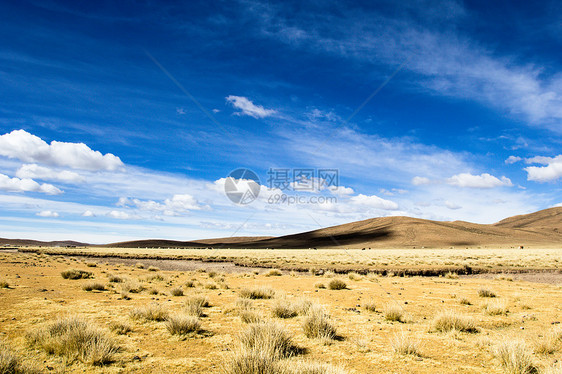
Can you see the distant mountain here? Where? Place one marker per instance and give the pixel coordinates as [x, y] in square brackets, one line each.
[542, 228]
[37, 243]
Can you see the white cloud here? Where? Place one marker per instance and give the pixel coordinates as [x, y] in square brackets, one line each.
[88, 213]
[248, 108]
[35, 171]
[118, 214]
[26, 147]
[47, 213]
[420, 181]
[512, 160]
[341, 190]
[551, 172]
[557, 205]
[484, 180]
[373, 201]
[452, 205]
[26, 185]
[178, 204]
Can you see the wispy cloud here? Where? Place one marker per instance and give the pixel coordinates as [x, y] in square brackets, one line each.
[248, 108]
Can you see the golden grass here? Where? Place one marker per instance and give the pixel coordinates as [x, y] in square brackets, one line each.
[182, 324]
[405, 345]
[74, 337]
[515, 357]
[450, 320]
[393, 312]
[317, 324]
[150, 312]
[257, 293]
[337, 284]
[76, 274]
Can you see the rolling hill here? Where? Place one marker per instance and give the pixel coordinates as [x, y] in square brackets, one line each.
[543, 228]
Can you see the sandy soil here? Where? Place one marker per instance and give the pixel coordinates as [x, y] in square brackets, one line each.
[37, 294]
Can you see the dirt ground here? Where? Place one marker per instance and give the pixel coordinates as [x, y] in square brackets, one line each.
[37, 294]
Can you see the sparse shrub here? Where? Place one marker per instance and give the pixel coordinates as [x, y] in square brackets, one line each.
[405, 345]
[150, 312]
[75, 337]
[4, 284]
[156, 277]
[189, 284]
[194, 306]
[549, 343]
[120, 327]
[139, 265]
[370, 306]
[114, 278]
[305, 367]
[319, 285]
[504, 277]
[451, 275]
[329, 274]
[268, 337]
[515, 358]
[449, 321]
[484, 292]
[284, 309]
[12, 363]
[302, 305]
[132, 287]
[464, 301]
[257, 293]
[91, 264]
[317, 324]
[76, 274]
[252, 361]
[153, 268]
[496, 308]
[211, 286]
[250, 316]
[176, 291]
[182, 324]
[153, 291]
[354, 276]
[93, 286]
[337, 284]
[393, 312]
[274, 273]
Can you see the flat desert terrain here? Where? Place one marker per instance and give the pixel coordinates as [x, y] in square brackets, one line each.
[172, 315]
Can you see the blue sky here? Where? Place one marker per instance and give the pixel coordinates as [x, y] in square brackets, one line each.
[122, 120]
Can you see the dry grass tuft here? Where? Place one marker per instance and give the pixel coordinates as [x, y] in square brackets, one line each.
[393, 312]
[317, 324]
[319, 285]
[464, 301]
[176, 291]
[337, 284]
[153, 268]
[91, 264]
[451, 275]
[4, 284]
[11, 363]
[515, 358]
[451, 321]
[120, 327]
[274, 273]
[549, 343]
[257, 293]
[76, 274]
[370, 306]
[484, 292]
[93, 286]
[405, 345]
[554, 369]
[75, 338]
[268, 337]
[284, 309]
[150, 312]
[114, 278]
[182, 324]
[194, 306]
[496, 308]
[354, 276]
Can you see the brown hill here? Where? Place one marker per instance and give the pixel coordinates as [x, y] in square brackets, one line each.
[535, 229]
[37, 243]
